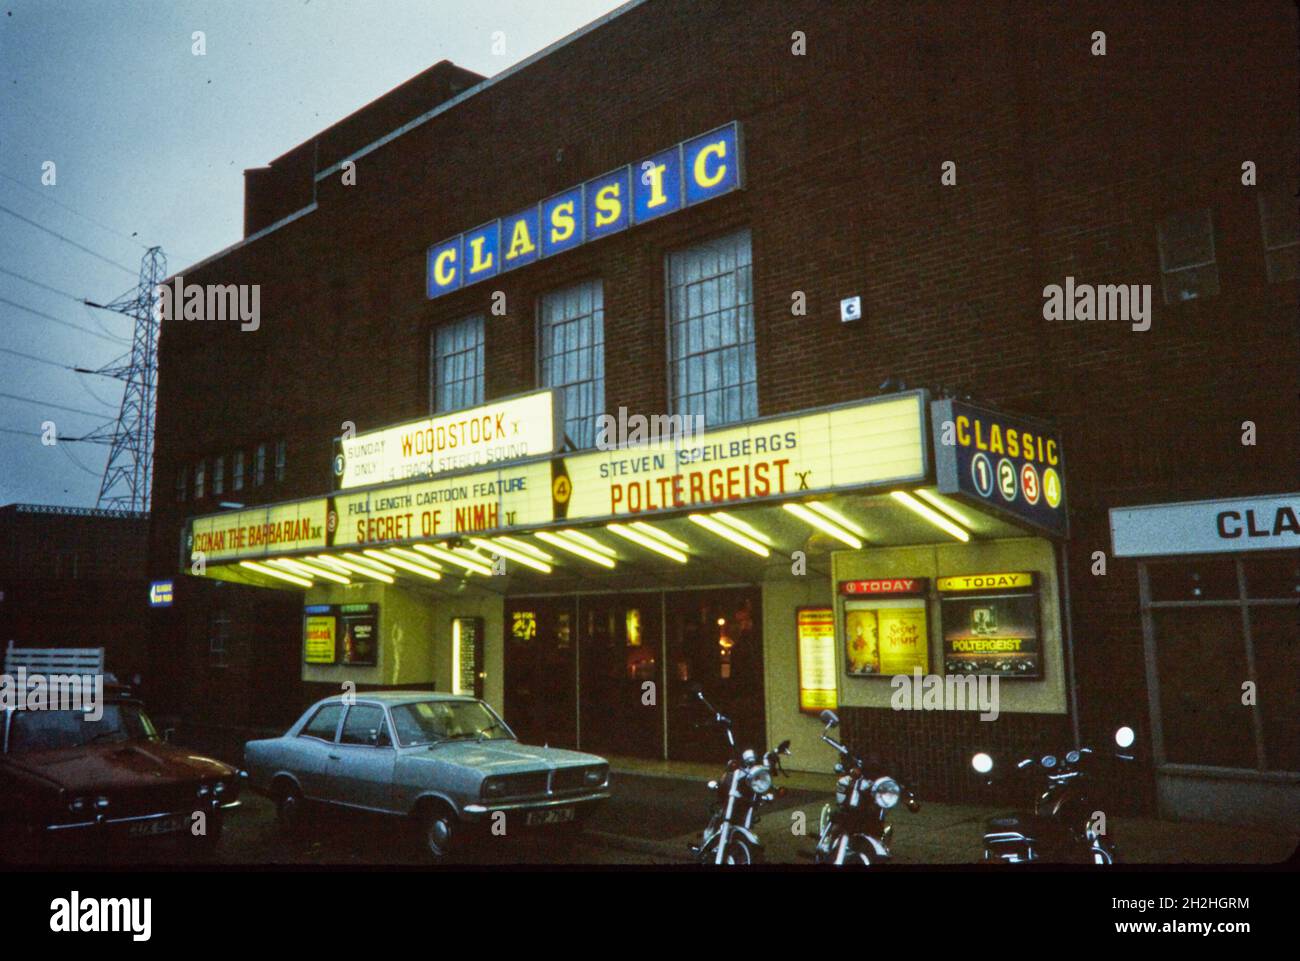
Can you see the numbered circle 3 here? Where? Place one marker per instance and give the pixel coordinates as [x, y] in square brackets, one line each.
[1029, 483]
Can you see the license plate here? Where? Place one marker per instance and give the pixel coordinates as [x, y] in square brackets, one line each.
[167, 825]
[550, 816]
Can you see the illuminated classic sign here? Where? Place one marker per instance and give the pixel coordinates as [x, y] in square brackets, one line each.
[1267, 523]
[690, 173]
[853, 445]
[505, 430]
[1010, 464]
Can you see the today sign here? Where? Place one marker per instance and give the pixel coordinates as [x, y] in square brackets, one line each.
[682, 176]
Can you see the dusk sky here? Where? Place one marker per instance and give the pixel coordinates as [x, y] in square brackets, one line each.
[149, 144]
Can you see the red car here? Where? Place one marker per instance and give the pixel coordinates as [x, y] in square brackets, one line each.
[65, 777]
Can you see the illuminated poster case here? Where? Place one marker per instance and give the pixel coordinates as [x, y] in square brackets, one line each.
[991, 624]
[886, 630]
[815, 638]
[341, 634]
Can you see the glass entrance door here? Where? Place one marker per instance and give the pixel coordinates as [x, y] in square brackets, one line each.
[715, 637]
[621, 685]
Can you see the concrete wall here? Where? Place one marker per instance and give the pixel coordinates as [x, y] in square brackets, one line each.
[781, 598]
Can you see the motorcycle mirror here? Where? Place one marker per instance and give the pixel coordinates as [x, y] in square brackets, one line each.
[1124, 737]
[829, 718]
[982, 763]
[783, 747]
[694, 689]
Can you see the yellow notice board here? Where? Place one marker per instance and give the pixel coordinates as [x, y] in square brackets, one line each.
[320, 638]
[815, 634]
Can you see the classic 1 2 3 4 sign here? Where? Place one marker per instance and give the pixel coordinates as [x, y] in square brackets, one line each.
[689, 173]
[1010, 464]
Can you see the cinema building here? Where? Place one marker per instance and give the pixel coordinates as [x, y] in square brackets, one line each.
[461, 450]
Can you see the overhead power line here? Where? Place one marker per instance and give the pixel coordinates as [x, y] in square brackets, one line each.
[44, 194]
[67, 240]
[37, 283]
[33, 357]
[65, 323]
[44, 403]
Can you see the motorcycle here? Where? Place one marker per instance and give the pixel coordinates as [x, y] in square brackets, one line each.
[1061, 827]
[855, 831]
[744, 787]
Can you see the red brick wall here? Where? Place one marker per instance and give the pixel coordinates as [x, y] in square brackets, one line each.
[1065, 163]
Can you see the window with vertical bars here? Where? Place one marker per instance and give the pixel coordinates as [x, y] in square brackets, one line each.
[219, 476]
[281, 453]
[1187, 262]
[711, 361]
[457, 364]
[1281, 227]
[237, 471]
[571, 355]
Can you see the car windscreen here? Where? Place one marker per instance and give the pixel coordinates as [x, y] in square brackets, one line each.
[53, 730]
[428, 722]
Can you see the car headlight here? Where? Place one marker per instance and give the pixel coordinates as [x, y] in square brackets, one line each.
[493, 787]
[101, 803]
[595, 776]
[219, 788]
[760, 779]
[79, 804]
[886, 792]
[204, 790]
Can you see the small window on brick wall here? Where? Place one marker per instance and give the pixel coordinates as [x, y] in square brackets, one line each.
[281, 452]
[1187, 267]
[218, 476]
[182, 483]
[259, 465]
[237, 471]
[200, 475]
[1279, 215]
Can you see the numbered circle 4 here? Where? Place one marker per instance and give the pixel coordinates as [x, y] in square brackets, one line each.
[1007, 479]
[1029, 483]
[1052, 490]
[981, 473]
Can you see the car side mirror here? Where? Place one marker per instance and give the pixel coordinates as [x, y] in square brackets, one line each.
[168, 734]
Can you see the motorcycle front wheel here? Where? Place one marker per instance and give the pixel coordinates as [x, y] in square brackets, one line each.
[826, 853]
[738, 851]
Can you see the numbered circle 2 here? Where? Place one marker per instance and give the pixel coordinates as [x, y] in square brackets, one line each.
[1007, 479]
[1029, 483]
[1052, 490]
[981, 473]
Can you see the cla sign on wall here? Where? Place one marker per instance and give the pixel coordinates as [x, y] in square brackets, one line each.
[511, 429]
[1207, 527]
[853, 445]
[1010, 464]
[690, 173]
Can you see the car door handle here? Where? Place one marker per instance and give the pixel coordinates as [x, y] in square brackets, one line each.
[336, 757]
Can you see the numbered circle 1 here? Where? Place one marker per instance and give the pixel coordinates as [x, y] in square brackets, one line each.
[1052, 489]
[1029, 483]
[981, 473]
[1007, 479]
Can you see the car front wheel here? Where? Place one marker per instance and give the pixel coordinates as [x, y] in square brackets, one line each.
[438, 830]
[288, 809]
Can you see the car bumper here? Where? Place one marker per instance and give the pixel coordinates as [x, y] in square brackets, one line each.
[482, 809]
[123, 826]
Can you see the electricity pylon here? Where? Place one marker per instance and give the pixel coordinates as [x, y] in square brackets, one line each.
[128, 475]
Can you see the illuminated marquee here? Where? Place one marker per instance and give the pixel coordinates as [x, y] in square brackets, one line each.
[858, 445]
[506, 430]
[690, 173]
[259, 531]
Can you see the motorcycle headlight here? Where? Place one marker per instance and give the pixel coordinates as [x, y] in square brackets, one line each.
[760, 779]
[886, 792]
